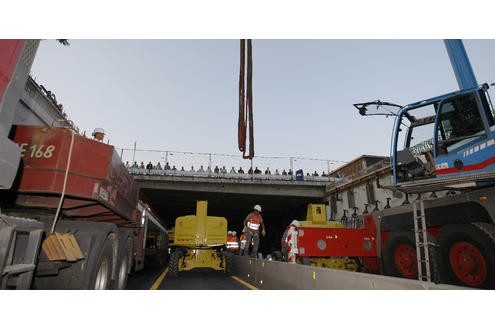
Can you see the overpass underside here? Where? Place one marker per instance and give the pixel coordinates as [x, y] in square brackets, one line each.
[281, 201]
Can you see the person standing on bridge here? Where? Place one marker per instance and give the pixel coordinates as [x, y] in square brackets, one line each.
[253, 222]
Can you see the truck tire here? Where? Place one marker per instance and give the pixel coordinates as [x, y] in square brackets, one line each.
[101, 275]
[124, 261]
[173, 265]
[92, 272]
[305, 260]
[467, 255]
[399, 256]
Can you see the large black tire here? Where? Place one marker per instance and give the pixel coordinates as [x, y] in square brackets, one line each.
[400, 259]
[124, 262]
[467, 255]
[92, 272]
[173, 265]
[101, 274]
[305, 260]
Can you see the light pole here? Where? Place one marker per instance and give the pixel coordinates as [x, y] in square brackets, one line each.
[209, 164]
[292, 167]
[134, 153]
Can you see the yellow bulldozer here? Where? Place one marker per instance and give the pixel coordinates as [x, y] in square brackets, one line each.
[200, 242]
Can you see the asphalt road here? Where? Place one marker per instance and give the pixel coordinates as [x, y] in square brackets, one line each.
[196, 279]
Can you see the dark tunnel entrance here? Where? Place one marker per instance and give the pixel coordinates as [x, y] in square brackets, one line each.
[277, 211]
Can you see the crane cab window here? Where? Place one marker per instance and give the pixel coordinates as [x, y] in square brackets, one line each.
[460, 122]
[415, 160]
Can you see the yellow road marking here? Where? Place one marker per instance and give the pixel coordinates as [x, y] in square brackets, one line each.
[248, 285]
[159, 280]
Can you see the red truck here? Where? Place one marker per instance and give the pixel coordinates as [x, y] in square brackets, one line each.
[71, 217]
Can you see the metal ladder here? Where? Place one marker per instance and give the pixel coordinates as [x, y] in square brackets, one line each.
[20, 241]
[422, 253]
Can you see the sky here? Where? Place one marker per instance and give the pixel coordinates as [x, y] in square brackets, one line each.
[181, 95]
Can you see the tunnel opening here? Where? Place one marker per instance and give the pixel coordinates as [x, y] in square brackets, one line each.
[277, 211]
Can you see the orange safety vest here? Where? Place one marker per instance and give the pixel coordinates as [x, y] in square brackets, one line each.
[232, 243]
[243, 240]
[235, 246]
[254, 222]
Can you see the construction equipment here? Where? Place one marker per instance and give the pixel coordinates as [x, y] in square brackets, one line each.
[200, 242]
[331, 244]
[442, 150]
[70, 217]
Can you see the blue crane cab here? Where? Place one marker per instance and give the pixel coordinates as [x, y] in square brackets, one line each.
[446, 136]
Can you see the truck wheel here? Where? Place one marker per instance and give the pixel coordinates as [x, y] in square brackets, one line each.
[305, 260]
[124, 265]
[102, 274]
[94, 273]
[95, 270]
[173, 265]
[467, 254]
[399, 256]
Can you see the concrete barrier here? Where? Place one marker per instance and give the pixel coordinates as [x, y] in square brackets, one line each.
[274, 275]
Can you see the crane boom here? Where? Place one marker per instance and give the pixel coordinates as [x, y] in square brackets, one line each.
[460, 63]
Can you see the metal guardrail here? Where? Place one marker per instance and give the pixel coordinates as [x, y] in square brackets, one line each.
[275, 275]
[236, 176]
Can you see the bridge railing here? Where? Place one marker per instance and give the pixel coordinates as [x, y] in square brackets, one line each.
[192, 161]
[237, 176]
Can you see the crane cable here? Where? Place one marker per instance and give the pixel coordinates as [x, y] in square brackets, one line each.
[245, 121]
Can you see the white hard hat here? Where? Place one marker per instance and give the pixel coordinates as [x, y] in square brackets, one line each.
[229, 233]
[98, 130]
[295, 223]
[234, 233]
[257, 207]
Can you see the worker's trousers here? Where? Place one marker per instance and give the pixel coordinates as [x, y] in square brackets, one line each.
[255, 236]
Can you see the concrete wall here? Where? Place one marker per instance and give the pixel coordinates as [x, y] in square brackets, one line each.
[274, 275]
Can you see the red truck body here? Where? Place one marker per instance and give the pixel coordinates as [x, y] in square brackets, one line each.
[98, 188]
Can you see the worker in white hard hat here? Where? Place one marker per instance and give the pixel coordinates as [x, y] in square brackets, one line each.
[232, 244]
[98, 134]
[253, 222]
[292, 249]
